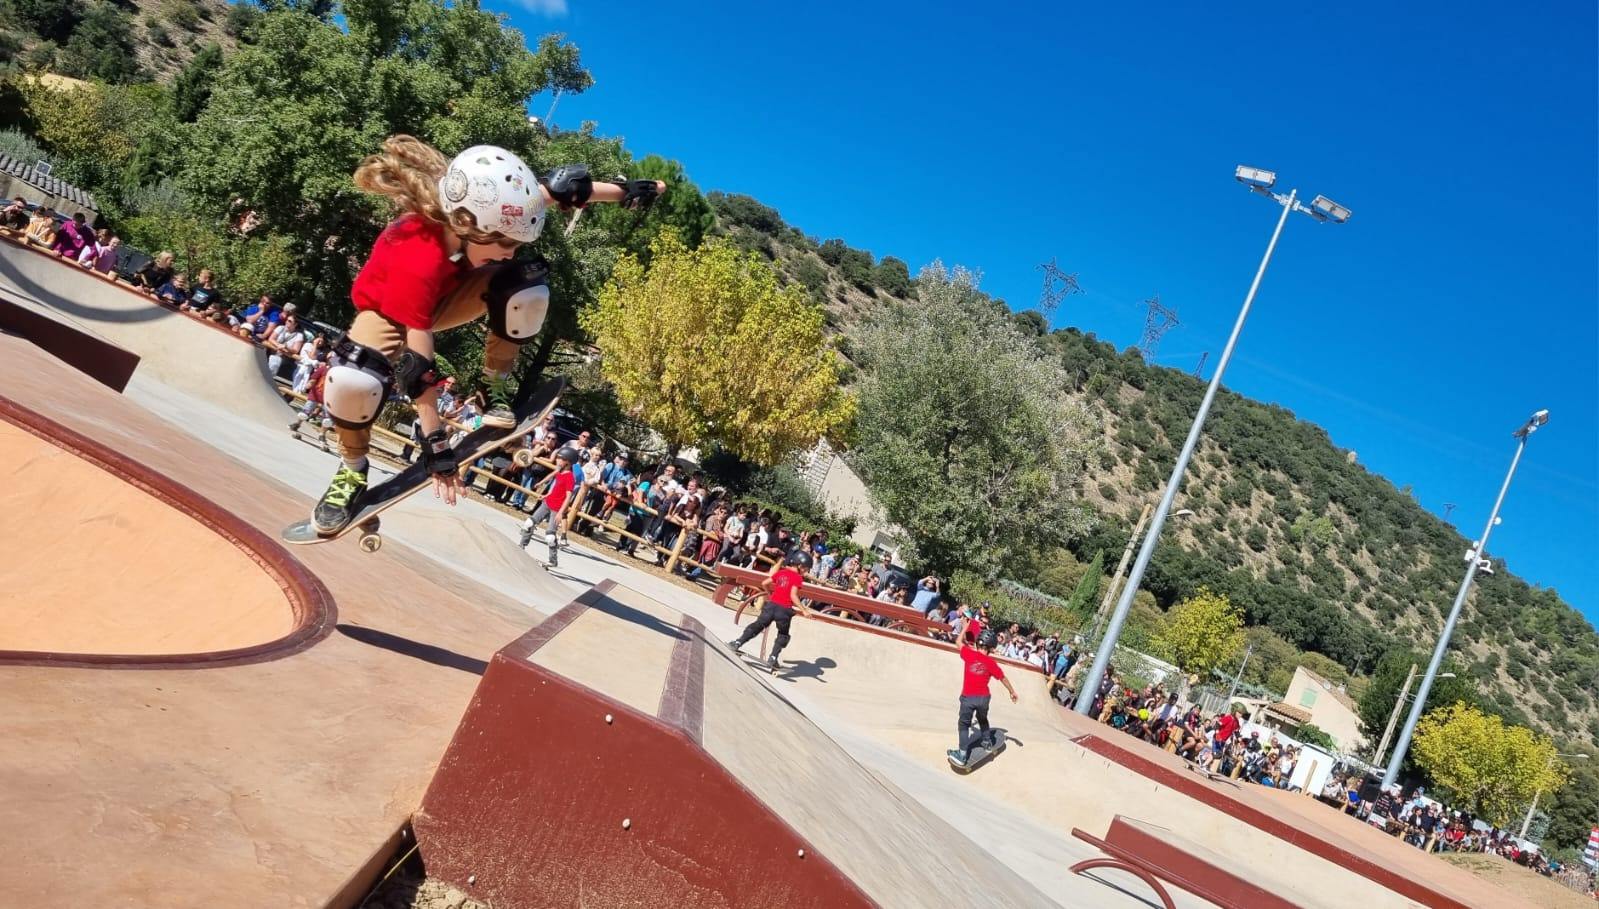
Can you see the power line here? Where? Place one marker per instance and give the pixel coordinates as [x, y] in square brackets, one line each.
[1159, 320]
[1058, 285]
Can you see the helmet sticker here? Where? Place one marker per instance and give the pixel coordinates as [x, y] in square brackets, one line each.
[484, 192]
[455, 185]
[511, 211]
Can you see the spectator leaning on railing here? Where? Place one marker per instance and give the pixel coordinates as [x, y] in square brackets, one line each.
[153, 274]
[42, 227]
[15, 215]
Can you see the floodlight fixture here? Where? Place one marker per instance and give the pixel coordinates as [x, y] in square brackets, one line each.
[1254, 177]
[1325, 209]
[1533, 422]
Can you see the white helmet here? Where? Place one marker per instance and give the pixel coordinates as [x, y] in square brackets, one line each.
[498, 189]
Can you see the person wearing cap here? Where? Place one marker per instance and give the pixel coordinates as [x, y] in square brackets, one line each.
[979, 669]
[562, 483]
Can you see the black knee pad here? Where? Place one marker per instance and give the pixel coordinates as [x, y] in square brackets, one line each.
[518, 299]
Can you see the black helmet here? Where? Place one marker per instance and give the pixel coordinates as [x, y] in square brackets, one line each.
[800, 558]
[567, 454]
[988, 638]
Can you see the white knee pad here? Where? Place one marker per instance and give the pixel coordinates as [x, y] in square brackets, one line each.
[525, 312]
[353, 396]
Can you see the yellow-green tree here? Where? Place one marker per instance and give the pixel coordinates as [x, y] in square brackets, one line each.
[1201, 632]
[1484, 764]
[704, 345]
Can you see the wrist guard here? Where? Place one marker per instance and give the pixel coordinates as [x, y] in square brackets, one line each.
[437, 455]
[638, 194]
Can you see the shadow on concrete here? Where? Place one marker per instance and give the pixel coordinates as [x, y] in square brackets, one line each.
[427, 653]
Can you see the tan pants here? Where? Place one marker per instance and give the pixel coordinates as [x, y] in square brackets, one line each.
[377, 331]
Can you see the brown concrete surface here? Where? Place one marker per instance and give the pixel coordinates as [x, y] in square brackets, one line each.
[906, 695]
[1541, 891]
[92, 566]
[258, 785]
[620, 708]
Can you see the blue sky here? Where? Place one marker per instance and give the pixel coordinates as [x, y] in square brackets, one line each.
[1460, 297]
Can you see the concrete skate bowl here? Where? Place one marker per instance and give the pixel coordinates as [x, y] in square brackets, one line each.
[173, 348]
[110, 564]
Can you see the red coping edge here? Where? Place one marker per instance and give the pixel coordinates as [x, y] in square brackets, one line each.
[313, 606]
[1190, 786]
[523, 733]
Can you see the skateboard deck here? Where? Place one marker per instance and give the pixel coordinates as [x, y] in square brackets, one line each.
[380, 497]
[981, 753]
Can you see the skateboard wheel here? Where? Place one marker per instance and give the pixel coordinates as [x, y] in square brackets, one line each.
[371, 542]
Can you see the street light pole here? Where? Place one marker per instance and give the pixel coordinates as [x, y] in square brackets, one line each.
[1238, 677]
[1393, 716]
[1322, 209]
[1527, 821]
[1474, 561]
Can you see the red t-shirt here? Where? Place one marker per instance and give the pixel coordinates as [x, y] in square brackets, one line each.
[559, 488]
[980, 668]
[1225, 727]
[408, 273]
[785, 583]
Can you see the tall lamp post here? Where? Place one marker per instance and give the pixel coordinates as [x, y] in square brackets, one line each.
[1527, 821]
[1393, 718]
[1474, 564]
[1121, 566]
[1322, 209]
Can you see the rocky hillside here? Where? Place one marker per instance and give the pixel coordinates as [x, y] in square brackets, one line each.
[1329, 556]
[116, 40]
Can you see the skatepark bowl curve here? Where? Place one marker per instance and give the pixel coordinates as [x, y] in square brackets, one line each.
[192, 715]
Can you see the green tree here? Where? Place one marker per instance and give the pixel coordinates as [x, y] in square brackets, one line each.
[191, 89]
[1311, 734]
[706, 347]
[1574, 807]
[1383, 687]
[893, 277]
[53, 20]
[1202, 633]
[1491, 768]
[101, 46]
[970, 443]
[1082, 600]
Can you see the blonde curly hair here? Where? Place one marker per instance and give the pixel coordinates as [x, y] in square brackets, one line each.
[408, 171]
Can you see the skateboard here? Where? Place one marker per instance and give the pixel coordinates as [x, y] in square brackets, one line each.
[982, 752]
[378, 498]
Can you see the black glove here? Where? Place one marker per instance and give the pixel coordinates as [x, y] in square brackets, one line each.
[639, 194]
[437, 454]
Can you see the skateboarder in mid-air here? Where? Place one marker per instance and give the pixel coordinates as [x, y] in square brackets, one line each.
[445, 261]
[981, 667]
[781, 588]
[551, 505]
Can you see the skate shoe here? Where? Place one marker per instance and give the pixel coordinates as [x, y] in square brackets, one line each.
[333, 511]
[499, 413]
[734, 645]
[956, 757]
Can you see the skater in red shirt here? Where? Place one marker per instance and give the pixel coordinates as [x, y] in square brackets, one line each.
[554, 501]
[782, 587]
[445, 261]
[981, 668]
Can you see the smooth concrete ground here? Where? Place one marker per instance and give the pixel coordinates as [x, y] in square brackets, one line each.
[380, 700]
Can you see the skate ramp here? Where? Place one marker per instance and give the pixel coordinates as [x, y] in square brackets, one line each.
[613, 756]
[1064, 771]
[98, 565]
[201, 358]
